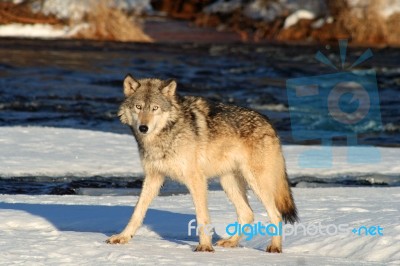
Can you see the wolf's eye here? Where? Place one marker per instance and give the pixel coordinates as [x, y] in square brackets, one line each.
[155, 108]
[138, 106]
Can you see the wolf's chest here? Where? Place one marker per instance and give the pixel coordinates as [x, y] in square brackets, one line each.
[175, 168]
[174, 163]
[157, 153]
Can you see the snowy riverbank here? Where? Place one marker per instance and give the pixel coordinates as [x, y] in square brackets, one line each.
[61, 152]
[65, 230]
[48, 229]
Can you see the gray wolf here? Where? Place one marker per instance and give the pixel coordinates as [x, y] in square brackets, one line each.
[191, 139]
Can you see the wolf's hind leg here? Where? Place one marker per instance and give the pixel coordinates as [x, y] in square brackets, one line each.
[235, 188]
[261, 182]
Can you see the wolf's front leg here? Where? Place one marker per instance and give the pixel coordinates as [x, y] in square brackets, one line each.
[198, 190]
[151, 187]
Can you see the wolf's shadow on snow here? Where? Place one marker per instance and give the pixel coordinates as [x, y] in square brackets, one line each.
[109, 219]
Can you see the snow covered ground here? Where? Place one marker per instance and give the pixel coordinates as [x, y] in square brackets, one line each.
[74, 10]
[48, 230]
[57, 230]
[42, 31]
[41, 151]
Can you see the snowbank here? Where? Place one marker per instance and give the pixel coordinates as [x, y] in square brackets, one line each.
[267, 10]
[76, 9]
[86, 20]
[50, 230]
[65, 152]
[295, 17]
[56, 152]
[270, 10]
[54, 230]
[44, 31]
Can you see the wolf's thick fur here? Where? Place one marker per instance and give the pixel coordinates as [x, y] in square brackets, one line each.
[191, 139]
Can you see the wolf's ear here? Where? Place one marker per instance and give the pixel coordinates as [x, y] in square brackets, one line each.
[130, 85]
[169, 88]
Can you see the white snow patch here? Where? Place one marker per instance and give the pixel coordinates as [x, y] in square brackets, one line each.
[44, 31]
[76, 9]
[389, 8]
[54, 230]
[49, 230]
[294, 18]
[42, 151]
[60, 152]
[267, 10]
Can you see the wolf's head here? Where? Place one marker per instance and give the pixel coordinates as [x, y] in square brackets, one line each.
[148, 104]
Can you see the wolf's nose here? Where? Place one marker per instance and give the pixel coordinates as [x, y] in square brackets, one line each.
[143, 128]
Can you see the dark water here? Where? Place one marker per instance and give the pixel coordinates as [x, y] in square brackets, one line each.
[79, 84]
[120, 186]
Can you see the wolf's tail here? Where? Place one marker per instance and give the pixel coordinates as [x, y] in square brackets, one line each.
[284, 200]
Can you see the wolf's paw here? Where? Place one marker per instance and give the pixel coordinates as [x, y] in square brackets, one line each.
[274, 249]
[118, 239]
[227, 243]
[204, 248]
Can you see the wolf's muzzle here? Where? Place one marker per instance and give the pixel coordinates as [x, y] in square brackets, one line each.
[143, 128]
